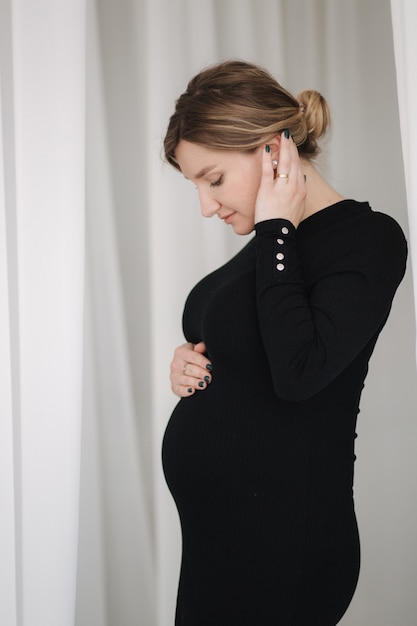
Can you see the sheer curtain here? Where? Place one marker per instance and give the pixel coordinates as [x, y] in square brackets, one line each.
[41, 298]
[404, 22]
[145, 246]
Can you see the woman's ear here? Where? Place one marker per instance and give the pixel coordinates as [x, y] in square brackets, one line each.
[274, 145]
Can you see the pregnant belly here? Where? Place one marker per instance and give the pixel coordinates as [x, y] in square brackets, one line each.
[221, 448]
[240, 471]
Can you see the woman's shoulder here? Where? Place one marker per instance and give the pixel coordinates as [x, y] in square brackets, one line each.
[352, 220]
[379, 249]
[377, 229]
[351, 235]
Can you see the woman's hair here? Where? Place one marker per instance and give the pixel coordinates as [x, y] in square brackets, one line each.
[235, 105]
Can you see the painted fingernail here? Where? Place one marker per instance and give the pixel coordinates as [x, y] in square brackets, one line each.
[267, 149]
[201, 384]
[190, 390]
[207, 379]
[286, 133]
[209, 367]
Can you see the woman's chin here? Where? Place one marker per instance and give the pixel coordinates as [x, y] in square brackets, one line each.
[243, 229]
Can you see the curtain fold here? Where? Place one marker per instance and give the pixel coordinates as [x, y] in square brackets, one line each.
[8, 333]
[8, 611]
[42, 267]
[116, 580]
[404, 24]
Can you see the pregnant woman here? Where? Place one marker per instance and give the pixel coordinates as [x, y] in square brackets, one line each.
[259, 451]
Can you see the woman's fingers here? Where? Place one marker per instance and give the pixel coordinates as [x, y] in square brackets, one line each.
[285, 157]
[190, 369]
[189, 354]
[265, 191]
[200, 347]
[281, 195]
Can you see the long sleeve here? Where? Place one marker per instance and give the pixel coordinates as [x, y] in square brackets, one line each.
[319, 307]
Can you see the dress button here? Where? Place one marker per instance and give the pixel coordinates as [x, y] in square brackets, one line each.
[280, 267]
[284, 230]
[280, 256]
[280, 241]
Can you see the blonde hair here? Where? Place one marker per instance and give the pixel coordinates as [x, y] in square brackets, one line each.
[236, 105]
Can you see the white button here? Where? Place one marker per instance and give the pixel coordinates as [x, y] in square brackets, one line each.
[284, 230]
[280, 256]
[280, 241]
[280, 267]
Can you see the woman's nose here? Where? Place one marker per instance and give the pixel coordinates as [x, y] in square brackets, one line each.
[209, 206]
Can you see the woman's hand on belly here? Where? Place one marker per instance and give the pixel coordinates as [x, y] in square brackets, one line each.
[190, 369]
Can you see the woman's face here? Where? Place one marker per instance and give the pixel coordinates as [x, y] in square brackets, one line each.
[227, 182]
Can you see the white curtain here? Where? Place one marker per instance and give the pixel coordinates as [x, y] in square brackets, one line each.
[404, 22]
[146, 245]
[41, 297]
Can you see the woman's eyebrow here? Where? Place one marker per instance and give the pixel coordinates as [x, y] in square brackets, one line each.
[202, 172]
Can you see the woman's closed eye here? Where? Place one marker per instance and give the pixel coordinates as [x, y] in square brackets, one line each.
[217, 182]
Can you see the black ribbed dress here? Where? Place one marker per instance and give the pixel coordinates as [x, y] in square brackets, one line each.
[260, 464]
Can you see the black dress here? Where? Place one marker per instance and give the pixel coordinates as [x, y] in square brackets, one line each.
[260, 464]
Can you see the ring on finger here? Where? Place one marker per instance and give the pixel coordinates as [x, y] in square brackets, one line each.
[282, 175]
[183, 369]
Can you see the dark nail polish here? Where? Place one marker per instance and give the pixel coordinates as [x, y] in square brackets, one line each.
[267, 149]
[201, 384]
[209, 367]
[286, 133]
[207, 379]
[190, 390]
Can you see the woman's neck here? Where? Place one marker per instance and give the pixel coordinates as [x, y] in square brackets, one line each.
[319, 193]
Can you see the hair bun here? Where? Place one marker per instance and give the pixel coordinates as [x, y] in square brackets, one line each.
[317, 117]
[238, 106]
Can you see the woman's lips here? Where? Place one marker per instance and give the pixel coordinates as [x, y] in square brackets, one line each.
[228, 218]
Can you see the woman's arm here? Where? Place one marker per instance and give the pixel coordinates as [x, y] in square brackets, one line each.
[310, 336]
